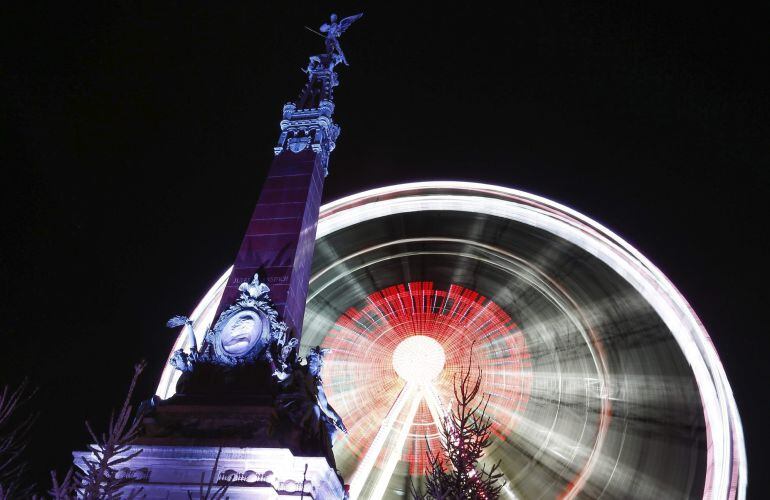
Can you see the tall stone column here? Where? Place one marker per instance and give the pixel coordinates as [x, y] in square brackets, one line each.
[279, 240]
[240, 415]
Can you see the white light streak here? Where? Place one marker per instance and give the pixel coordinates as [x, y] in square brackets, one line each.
[397, 450]
[365, 466]
[724, 429]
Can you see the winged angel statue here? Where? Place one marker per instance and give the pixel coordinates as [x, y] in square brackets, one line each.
[334, 31]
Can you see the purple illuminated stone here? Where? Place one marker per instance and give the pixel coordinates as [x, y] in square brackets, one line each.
[280, 237]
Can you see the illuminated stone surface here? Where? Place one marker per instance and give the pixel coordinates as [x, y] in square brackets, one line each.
[174, 472]
[230, 387]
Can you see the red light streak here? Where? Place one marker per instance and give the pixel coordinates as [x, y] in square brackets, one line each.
[363, 384]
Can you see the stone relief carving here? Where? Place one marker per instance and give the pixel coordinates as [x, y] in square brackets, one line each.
[140, 475]
[242, 334]
[248, 349]
[250, 477]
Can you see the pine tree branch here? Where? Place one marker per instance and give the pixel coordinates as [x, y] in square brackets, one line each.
[15, 430]
[467, 432]
[219, 493]
[100, 480]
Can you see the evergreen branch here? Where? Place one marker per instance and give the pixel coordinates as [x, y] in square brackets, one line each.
[100, 480]
[467, 432]
[14, 437]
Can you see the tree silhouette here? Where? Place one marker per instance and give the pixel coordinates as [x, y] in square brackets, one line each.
[14, 435]
[454, 472]
[100, 478]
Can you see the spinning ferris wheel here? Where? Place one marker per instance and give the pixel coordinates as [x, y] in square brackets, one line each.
[600, 377]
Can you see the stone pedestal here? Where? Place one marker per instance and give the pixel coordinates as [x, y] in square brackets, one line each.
[175, 472]
[226, 420]
[196, 422]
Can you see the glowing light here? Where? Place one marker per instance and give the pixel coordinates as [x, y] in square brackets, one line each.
[450, 320]
[396, 451]
[419, 359]
[727, 469]
[366, 464]
[372, 401]
[375, 349]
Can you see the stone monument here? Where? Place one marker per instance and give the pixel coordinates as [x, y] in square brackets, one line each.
[250, 413]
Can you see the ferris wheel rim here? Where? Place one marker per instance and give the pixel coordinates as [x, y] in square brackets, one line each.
[726, 449]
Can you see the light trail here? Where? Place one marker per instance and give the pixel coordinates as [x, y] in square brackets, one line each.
[415, 392]
[365, 466]
[418, 360]
[398, 447]
[437, 410]
[550, 392]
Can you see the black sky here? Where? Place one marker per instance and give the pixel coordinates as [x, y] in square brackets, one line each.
[135, 138]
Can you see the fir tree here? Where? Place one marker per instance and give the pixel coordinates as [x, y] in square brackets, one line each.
[454, 472]
[100, 478]
[14, 435]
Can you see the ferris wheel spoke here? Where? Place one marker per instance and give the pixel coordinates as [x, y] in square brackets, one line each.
[398, 446]
[437, 410]
[365, 466]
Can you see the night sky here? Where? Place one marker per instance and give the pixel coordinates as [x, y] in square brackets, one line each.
[134, 139]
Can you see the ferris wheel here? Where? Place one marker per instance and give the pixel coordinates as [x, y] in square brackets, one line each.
[601, 380]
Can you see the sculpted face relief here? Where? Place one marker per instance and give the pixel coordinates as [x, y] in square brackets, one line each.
[241, 333]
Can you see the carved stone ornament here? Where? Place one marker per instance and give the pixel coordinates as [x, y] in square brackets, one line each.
[297, 144]
[241, 334]
[244, 331]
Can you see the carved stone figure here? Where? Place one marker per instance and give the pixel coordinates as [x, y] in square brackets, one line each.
[283, 357]
[334, 31]
[303, 402]
[182, 361]
[242, 332]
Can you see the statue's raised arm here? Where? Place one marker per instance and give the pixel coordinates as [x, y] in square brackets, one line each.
[334, 31]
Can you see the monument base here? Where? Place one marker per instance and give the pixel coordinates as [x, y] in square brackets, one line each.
[176, 472]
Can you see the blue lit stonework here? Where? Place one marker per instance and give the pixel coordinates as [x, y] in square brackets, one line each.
[279, 240]
[248, 409]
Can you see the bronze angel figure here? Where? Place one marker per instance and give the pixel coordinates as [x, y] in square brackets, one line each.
[334, 31]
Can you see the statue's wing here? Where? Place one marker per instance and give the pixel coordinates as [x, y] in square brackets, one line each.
[176, 321]
[345, 23]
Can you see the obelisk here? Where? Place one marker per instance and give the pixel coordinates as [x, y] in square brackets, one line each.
[240, 414]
